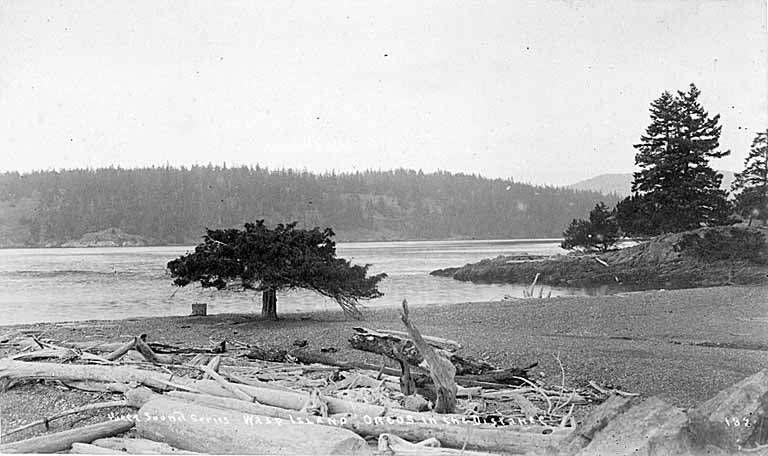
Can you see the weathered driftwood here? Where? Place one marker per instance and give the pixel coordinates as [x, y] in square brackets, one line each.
[454, 433]
[243, 406]
[509, 376]
[60, 441]
[231, 387]
[306, 356]
[437, 342]
[204, 429]
[138, 446]
[395, 346]
[87, 448]
[97, 387]
[63, 354]
[147, 352]
[121, 350]
[157, 347]
[72, 411]
[75, 373]
[358, 380]
[213, 364]
[392, 444]
[233, 377]
[441, 370]
[370, 420]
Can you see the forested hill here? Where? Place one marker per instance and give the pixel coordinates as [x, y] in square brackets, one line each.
[173, 205]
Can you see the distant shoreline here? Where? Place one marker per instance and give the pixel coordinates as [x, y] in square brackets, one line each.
[468, 240]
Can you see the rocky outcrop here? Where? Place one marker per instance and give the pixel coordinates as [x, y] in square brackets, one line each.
[703, 257]
[735, 421]
[111, 237]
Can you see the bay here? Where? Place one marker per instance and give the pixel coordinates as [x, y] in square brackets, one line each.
[61, 284]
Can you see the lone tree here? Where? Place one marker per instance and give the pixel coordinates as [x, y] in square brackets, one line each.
[676, 189]
[751, 185]
[599, 232]
[270, 260]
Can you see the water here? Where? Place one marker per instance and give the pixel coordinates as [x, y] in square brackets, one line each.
[105, 283]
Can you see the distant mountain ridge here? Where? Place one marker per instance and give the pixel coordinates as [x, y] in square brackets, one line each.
[621, 183]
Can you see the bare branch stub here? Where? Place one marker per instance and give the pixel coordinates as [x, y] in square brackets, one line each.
[441, 369]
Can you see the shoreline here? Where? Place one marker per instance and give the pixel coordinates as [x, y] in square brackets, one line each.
[338, 241]
[682, 344]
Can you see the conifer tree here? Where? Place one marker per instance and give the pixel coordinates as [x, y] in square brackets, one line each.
[599, 232]
[675, 187]
[269, 260]
[751, 185]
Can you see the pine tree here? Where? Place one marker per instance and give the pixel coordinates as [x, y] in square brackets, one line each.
[752, 183]
[675, 186]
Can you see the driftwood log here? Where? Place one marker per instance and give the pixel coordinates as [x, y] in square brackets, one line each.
[61, 441]
[393, 345]
[392, 444]
[85, 408]
[469, 371]
[205, 429]
[138, 446]
[441, 370]
[87, 448]
[456, 431]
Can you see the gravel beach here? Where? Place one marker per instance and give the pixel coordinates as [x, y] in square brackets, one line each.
[684, 345]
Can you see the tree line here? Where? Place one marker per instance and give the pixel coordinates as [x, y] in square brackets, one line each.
[675, 188]
[173, 205]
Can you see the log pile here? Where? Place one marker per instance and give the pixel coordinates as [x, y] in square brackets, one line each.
[220, 400]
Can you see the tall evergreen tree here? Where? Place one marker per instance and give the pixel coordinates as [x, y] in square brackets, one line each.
[675, 187]
[751, 185]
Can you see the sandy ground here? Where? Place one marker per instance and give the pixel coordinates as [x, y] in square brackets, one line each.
[684, 345]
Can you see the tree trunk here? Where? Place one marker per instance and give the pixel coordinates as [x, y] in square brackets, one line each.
[269, 304]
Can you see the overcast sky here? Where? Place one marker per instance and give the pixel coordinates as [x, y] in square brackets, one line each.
[540, 91]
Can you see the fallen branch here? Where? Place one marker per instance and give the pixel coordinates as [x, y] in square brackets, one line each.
[147, 352]
[231, 387]
[63, 354]
[213, 365]
[121, 350]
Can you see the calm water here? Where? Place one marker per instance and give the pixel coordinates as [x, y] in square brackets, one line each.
[105, 283]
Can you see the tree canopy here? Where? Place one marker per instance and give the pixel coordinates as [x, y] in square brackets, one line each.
[751, 185]
[676, 189]
[599, 232]
[276, 259]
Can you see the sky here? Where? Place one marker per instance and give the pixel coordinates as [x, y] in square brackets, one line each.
[547, 92]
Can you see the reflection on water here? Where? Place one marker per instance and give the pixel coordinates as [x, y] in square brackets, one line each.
[103, 283]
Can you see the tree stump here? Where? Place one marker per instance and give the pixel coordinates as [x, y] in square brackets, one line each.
[199, 309]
